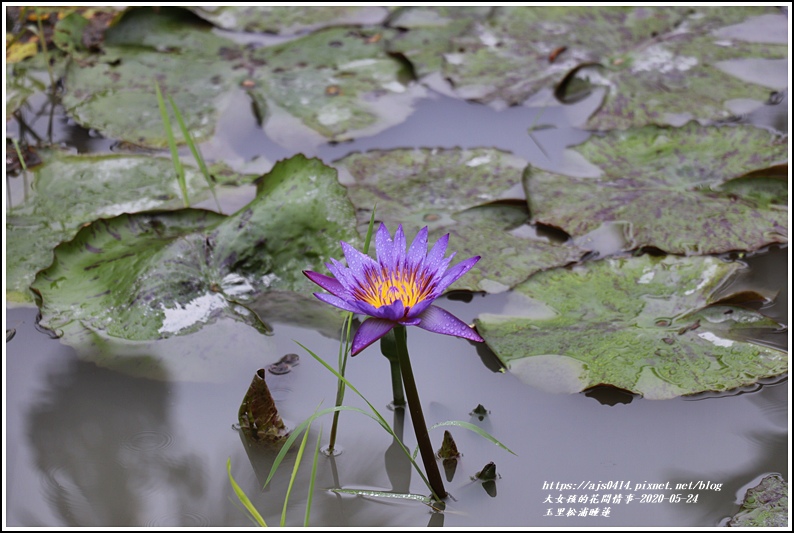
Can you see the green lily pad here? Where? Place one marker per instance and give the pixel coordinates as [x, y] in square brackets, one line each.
[332, 85]
[659, 64]
[77, 189]
[446, 189]
[430, 30]
[765, 505]
[155, 275]
[290, 20]
[674, 189]
[643, 324]
[116, 94]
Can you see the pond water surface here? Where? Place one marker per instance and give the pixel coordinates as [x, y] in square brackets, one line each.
[87, 446]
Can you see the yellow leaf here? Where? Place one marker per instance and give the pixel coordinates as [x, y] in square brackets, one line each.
[19, 51]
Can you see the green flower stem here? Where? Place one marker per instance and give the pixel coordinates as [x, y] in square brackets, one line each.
[388, 347]
[417, 417]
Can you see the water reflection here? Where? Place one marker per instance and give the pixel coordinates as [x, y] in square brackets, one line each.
[610, 395]
[398, 466]
[108, 458]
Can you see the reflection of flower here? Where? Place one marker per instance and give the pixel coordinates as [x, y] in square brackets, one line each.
[397, 289]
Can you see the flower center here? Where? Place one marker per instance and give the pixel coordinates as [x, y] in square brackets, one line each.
[385, 288]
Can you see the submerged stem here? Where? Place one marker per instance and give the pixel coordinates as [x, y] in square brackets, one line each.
[417, 417]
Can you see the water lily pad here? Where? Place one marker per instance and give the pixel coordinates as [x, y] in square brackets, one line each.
[285, 20]
[657, 63]
[332, 85]
[672, 188]
[642, 324]
[77, 189]
[446, 189]
[116, 94]
[765, 505]
[148, 276]
[430, 30]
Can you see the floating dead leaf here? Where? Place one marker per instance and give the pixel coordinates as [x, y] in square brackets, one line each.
[258, 415]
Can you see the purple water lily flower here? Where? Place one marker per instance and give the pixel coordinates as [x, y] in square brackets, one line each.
[397, 289]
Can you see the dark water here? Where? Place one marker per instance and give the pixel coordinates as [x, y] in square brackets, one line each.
[86, 446]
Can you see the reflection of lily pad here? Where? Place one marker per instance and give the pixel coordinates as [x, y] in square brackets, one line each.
[672, 188]
[641, 324]
[153, 275]
[445, 189]
[288, 20]
[765, 505]
[76, 189]
[657, 62]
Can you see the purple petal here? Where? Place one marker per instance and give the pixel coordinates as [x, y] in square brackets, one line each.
[369, 309]
[394, 311]
[418, 250]
[399, 246]
[384, 247]
[371, 330]
[457, 271]
[441, 321]
[342, 274]
[444, 264]
[326, 282]
[437, 253]
[411, 321]
[337, 302]
[356, 260]
[358, 263]
[420, 307]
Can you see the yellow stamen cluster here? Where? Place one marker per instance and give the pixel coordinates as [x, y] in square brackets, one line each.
[385, 288]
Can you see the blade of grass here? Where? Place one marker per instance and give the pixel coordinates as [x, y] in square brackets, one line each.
[243, 498]
[180, 171]
[195, 150]
[312, 479]
[377, 414]
[19, 154]
[478, 430]
[300, 427]
[368, 238]
[471, 427]
[294, 474]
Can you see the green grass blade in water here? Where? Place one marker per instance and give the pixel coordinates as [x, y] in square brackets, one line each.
[180, 171]
[195, 151]
[243, 498]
